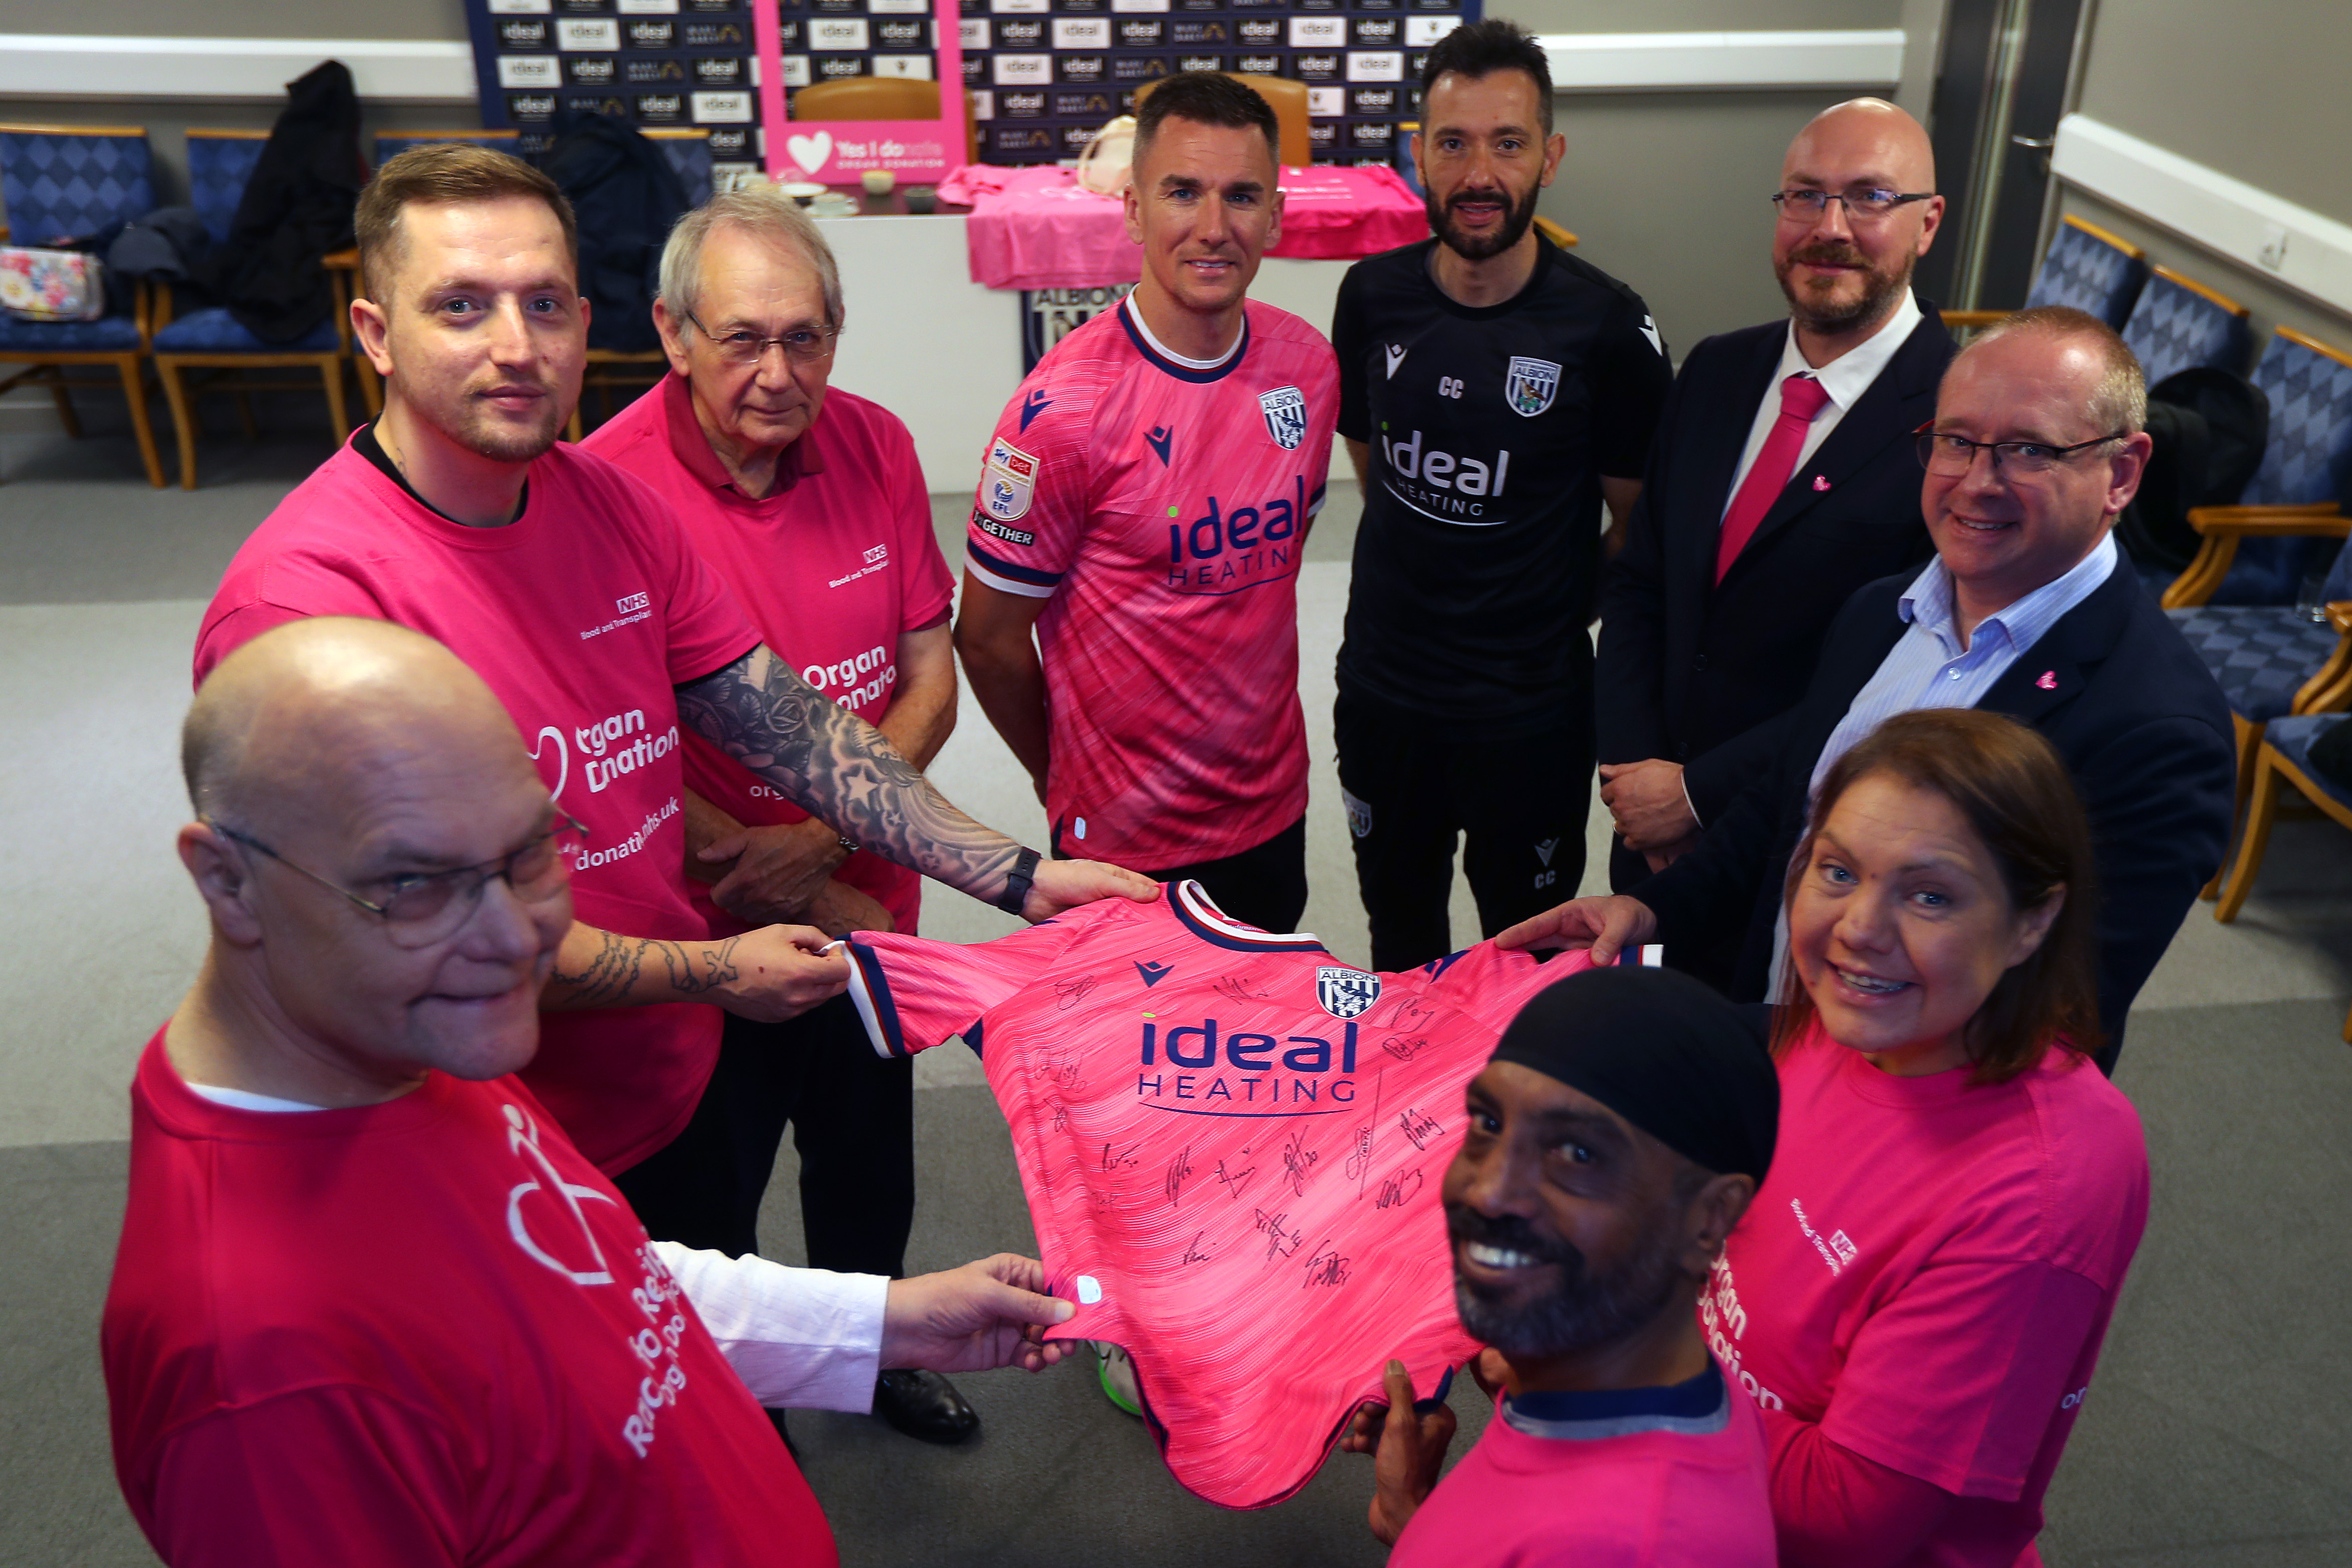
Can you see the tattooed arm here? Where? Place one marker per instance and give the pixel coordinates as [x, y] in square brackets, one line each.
[771, 974]
[843, 772]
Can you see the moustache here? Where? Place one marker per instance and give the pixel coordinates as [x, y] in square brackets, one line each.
[1831, 254]
[1465, 1224]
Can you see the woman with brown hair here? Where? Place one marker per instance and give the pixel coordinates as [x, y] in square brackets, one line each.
[1916, 1297]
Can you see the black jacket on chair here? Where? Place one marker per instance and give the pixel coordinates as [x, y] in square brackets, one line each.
[2127, 703]
[1698, 674]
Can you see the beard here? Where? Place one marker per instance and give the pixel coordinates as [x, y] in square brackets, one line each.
[1879, 287]
[1519, 213]
[473, 426]
[1586, 1310]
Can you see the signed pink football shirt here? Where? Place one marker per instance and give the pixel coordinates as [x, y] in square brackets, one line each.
[1231, 1144]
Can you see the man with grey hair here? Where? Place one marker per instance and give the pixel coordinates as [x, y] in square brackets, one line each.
[2035, 447]
[810, 504]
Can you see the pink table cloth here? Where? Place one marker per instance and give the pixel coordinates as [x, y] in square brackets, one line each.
[1232, 1145]
[1039, 228]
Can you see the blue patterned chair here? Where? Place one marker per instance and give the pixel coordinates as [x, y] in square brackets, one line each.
[2086, 268]
[2285, 761]
[220, 163]
[2179, 324]
[66, 182]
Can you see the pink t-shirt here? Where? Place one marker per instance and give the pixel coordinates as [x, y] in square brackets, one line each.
[1161, 511]
[422, 1333]
[1929, 1271]
[1613, 1481]
[835, 565]
[583, 615]
[1231, 1144]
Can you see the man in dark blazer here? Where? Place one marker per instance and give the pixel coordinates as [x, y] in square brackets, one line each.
[1692, 673]
[2025, 611]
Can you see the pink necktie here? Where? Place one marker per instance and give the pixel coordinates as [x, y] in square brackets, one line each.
[1802, 397]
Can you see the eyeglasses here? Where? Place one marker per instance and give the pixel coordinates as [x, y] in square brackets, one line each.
[1953, 455]
[423, 909]
[801, 345]
[1808, 205]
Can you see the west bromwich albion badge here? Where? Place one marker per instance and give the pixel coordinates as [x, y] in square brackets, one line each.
[1530, 385]
[1285, 415]
[1345, 993]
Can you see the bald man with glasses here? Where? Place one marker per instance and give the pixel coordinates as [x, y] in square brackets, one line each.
[2035, 448]
[1780, 480]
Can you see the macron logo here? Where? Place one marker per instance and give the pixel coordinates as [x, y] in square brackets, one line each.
[1396, 358]
[1036, 404]
[1152, 973]
[1159, 440]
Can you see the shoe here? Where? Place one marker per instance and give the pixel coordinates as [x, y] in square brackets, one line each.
[924, 1405]
[1117, 1371]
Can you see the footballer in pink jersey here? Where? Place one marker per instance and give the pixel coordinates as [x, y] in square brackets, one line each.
[1216, 1126]
[1144, 505]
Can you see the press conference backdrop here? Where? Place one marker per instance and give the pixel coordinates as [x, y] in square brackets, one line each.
[1043, 74]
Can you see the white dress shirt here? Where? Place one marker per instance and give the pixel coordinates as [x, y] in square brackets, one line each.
[1845, 379]
[1932, 665]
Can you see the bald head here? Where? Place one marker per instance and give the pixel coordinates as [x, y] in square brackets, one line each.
[1866, 132]
[307, 708]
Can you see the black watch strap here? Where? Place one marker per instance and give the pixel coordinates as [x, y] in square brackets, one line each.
[1017, 886]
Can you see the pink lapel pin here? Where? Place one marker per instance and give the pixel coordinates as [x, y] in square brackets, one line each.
[1821, 482]
[2048, 681]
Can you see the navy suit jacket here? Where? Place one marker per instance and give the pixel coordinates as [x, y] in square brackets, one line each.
[1700, 672]
[2128, 704]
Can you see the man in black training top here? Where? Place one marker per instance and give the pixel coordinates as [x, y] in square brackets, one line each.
[1493, 391]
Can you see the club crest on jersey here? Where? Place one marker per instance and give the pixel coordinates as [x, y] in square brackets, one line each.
[1345, 993]
[1530, 385]
[1007, 482]
[1286, 416]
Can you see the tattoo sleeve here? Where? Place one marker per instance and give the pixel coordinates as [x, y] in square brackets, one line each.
[839, 769]
[629, 971]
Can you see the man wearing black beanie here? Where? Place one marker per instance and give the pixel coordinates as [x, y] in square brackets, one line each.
[1620, 1131]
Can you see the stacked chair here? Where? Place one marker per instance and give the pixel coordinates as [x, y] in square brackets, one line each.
[2179, 324]
[62, 182]
[2086, 268]
[220, 163]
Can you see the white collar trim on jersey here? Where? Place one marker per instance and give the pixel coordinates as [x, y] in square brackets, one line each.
[246, 1100]
[1135, 318]
[1195, 899]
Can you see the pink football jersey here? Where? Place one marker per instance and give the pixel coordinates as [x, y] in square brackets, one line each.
[1232, 1145]
[1161, 507]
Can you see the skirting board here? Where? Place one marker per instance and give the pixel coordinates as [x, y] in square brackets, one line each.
[2241, 221]
[45, 65]
[1650, 62]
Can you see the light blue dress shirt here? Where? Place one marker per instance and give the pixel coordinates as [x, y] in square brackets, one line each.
[1932, 665]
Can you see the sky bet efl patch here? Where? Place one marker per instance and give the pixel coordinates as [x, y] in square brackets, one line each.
[1008, 482]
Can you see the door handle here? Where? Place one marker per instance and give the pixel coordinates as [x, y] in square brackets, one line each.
[2035, 143]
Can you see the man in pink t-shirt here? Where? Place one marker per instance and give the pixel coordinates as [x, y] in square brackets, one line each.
[567, 585]
[371, 1306]
[1625, 1121]
[809, 503]
[1143, 508]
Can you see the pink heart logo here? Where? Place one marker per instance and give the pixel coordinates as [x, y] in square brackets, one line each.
[1821, 482]
[2048, 681]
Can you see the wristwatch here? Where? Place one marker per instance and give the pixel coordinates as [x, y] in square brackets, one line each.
[1017, 886]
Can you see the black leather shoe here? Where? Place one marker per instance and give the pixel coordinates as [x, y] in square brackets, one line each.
[925, 1406]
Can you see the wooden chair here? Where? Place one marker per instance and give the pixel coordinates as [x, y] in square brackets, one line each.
[883, 97]
[2284, 763]
[2179, 323]
[2087, 267]
[1288, 100]
[220, 164]
[64, 181]
[1554, 232]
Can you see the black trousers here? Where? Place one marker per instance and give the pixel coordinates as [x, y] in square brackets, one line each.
[1518, 804]
[1265, 885]
[853, 1118]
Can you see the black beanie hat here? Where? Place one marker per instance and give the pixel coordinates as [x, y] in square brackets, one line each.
[1664, 1052]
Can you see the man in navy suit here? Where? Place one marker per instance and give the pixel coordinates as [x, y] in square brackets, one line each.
[2036, 447]
[1780, 480]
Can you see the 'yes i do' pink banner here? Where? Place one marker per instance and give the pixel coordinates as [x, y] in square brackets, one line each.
[836, 151]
